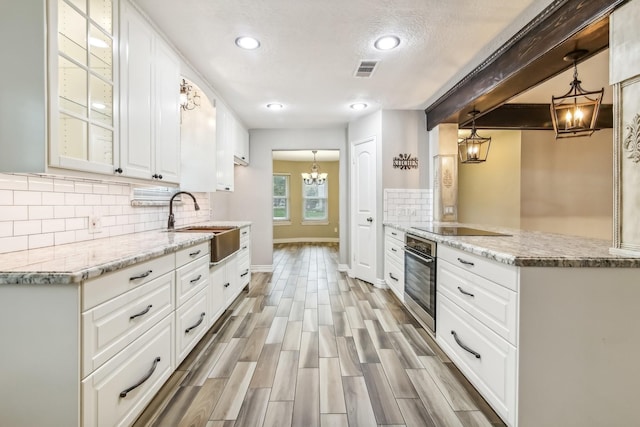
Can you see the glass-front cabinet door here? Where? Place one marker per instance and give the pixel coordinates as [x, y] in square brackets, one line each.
[83, 85]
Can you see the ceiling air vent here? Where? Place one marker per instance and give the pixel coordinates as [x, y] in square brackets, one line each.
[366, 68]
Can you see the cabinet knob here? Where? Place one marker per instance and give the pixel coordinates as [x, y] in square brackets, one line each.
[119, 170]
[226, 285]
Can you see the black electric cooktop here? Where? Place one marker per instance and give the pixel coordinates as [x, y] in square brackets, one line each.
[458, 231]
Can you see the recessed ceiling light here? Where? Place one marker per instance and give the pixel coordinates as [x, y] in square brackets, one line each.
[387, 42]
[358, 106]
[275, 106]
[96, 42]
[98, 106]
[247, 42]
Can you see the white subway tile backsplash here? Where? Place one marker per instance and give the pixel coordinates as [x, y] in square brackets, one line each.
[64, 211]
[53, 198]
[37, 183]
[27, 198]
[14, 213]
[13, 182]
[408, 205]
[6, 228]
[83, 187]
[73, 199]
[52, 225]
[11, 244]
[21, 228]
[63, 186]
[40, 212]
[76, 223]
[6, 197]
[41, 240]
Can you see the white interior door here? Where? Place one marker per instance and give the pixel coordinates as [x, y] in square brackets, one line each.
[363, 208]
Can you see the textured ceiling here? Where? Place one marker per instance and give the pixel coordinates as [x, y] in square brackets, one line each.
[311, 48]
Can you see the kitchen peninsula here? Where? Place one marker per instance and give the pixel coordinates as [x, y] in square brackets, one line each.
[544, 325]
[91, 330]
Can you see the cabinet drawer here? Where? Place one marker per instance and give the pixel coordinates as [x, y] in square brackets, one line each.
[492, 304]
[190, 279]
[103, 288]
[394, 234]
[493, 373]
[394, 278]
[245, 234]
[191, 253]
[503, 274]
[191, 324]
[148, 361]
[394, 249]
[111, 326]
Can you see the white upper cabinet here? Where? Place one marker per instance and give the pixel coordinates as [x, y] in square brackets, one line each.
[241, 144]
[150, 115]
[59, 100]
[198, 146]
[225, 130]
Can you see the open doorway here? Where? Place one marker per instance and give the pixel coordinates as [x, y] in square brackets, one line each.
[306, 196]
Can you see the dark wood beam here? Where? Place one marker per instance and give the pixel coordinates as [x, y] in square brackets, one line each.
[527, 59]
[530, 117]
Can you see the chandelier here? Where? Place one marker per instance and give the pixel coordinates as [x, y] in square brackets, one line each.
[575, 113]
[474, 148]
[315, 177]
[189, 98]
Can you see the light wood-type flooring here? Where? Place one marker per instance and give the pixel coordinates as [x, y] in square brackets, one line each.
[308, 346]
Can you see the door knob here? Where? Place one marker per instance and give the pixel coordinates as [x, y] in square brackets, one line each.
[369, 219]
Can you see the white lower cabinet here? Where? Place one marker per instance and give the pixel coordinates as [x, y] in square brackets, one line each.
[191, 323]
[118, 391]
[244, 257]
[486, 359]
[476, 324]
[394, 261]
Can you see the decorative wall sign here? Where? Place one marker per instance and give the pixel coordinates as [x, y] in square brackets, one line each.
[631, 141]
[405, 162]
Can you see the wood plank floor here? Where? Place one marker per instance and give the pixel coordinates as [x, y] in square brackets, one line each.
[308, 346]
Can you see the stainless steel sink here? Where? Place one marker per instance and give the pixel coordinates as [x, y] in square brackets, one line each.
[226, 240]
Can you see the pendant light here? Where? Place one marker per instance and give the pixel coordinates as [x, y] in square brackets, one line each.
[474, 148]
[315, 177]
[575, 113]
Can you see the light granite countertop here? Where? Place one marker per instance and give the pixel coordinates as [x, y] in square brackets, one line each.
[75, 262]
[529, 248]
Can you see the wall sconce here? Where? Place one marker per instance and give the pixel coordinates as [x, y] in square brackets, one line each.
[575, 113]
[315, 177]
[189, 98]
[474, 148]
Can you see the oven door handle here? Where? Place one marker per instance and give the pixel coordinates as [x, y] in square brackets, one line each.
[417, 254]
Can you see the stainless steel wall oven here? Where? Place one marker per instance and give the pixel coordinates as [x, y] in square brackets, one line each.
[420, 279]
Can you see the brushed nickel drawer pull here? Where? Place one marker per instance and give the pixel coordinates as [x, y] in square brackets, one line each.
[466, 262]
[462, 291]
[196, 279]
[142, 313]
[394, 278]
[124, 393]
[245, 273]
[196, 253]
[464, 347]
[141, 276]
[190, 328]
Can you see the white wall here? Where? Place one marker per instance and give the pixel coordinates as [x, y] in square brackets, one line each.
[252, 198]
[403, 132]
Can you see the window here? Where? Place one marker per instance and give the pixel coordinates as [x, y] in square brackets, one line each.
[280, 197]
[314, 202]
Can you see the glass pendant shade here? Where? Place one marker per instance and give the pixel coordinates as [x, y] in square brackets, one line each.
[575, 113]
[474, 148]
[315, 177]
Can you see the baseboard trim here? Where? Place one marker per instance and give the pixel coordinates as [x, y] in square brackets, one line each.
[262, 268]
[380, 284]
[343, 268]
[308, 240]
